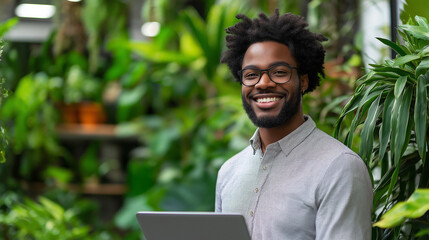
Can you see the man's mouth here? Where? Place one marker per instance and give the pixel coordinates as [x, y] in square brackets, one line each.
[267, 99]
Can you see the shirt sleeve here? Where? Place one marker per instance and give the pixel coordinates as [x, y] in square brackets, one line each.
[218, 198]
[344, 200]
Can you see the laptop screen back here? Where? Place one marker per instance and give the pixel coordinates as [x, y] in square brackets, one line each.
[192, 226]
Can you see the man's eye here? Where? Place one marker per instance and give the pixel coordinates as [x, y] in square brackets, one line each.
[280, 73]
[251, 75]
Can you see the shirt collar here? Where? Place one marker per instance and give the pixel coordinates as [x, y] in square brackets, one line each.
[290, 141]
[255, 141]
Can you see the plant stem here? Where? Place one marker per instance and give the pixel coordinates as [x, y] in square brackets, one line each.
[424, 178]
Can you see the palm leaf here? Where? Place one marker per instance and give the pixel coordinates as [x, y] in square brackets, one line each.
[367, 135]
[351, 105]
[400, 71]
[385, 129]
[399, 120]
[394, 46]
[420, 114]
[400, 134]
[405, 59]
[362, 107]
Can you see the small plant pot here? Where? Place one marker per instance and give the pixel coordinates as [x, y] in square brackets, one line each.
[91, 114]
[69, 113]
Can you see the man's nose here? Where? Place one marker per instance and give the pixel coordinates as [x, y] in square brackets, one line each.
[265, 81]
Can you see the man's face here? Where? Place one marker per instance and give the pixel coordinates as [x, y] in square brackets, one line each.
[269, 104]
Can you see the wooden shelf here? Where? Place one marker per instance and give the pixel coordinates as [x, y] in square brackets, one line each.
[93, 132]
[89, 188]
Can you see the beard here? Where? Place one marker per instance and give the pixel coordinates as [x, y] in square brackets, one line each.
[288, 110]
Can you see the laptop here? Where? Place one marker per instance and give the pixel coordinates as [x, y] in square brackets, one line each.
[192, 226]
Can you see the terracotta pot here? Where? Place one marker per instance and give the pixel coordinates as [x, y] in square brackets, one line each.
[91, 114]
[69, 113]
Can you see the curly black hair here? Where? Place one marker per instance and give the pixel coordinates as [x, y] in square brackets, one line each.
[288, 29]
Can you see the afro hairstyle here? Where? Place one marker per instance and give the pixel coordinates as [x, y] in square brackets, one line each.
[288, 29]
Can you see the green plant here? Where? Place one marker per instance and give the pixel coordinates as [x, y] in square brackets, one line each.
[190, 120]
[80, 86]
[4, 27]
[390, 108]
[415, 207]
[30, 117]
[45, 220]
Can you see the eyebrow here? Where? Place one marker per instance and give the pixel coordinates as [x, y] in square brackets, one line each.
[271, 65]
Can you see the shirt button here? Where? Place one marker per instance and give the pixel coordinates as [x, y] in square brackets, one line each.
[264, 167]
[256, 190]
[251, 213]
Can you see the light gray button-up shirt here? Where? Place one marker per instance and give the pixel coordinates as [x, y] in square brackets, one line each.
[307, 185]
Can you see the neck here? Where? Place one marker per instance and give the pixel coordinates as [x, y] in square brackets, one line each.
[271, 135]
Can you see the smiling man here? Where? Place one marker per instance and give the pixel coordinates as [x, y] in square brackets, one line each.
[293, 181]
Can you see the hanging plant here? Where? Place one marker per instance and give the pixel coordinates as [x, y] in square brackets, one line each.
[390, 108]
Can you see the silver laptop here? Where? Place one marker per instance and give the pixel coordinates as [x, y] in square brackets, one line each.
[192, 226]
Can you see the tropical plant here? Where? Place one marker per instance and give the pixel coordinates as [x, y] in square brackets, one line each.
[45, 219]
[390, 108]
[415, 207]
[30, 117]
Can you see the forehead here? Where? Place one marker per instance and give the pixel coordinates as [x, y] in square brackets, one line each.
[262, 54]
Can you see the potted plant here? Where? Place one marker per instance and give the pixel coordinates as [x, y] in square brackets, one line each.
[390, 107]
[82, 97]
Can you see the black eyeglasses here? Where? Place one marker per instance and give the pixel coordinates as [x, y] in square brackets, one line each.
[279, 73]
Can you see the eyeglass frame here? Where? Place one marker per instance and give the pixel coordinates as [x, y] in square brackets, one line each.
[267, 70]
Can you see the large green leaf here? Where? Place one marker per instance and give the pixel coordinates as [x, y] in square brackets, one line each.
[400, 71]
[414, 207]
[367, 135]
[419, 32]
[361, 110]
[400, 132]
[399, 87]
[405, 59]
[351, 105]
[394, 46]
[399, 122]
[385, 129]
[420, 115]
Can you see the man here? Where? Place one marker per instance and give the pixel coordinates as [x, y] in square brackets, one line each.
[293, 181]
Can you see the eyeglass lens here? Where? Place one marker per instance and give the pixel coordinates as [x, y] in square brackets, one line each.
[277, 74]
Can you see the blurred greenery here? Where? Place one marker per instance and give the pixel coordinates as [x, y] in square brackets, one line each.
[4, 27]
[170, 91]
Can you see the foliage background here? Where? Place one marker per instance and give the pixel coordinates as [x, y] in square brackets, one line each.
[174, 95]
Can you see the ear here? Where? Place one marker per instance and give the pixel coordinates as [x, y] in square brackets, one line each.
[304, 82]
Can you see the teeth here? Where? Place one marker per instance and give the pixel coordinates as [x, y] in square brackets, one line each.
[265, 100]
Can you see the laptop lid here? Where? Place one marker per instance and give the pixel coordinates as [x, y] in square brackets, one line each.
[192, 226]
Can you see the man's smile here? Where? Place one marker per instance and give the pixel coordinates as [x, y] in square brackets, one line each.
[267, 99]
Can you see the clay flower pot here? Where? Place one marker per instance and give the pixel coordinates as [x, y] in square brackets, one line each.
[91, 114]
